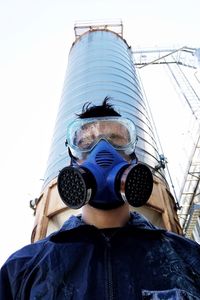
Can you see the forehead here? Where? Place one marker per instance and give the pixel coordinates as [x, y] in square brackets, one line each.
[105, 126]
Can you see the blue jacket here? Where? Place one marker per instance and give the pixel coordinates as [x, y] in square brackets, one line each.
[79, 262]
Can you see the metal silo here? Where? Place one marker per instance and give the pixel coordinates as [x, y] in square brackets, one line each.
[100, 64]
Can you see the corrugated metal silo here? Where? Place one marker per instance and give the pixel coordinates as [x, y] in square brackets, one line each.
[100, 64]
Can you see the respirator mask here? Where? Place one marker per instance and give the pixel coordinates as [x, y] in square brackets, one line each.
[102, 172]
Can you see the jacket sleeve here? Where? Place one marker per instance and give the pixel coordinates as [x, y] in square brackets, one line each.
[11, 277]
[14, 269]
[5, 288]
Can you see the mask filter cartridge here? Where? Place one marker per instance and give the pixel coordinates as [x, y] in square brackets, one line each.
[136, 184]
[75, 186]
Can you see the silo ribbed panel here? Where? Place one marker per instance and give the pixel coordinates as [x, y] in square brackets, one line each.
[100, 64]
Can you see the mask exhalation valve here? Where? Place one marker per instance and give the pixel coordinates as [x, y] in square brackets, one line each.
[75, 186]
[136, 185]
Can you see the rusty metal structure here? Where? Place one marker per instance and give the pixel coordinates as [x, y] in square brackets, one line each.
[100, 64]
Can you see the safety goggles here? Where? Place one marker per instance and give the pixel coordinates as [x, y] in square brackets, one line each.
[84, 134]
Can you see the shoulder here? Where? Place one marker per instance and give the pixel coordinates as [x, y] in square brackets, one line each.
[14, 269]
[32, 251]
[18, 264]
[182, 244]
[183, 251]
[19, 261]
[185, 248]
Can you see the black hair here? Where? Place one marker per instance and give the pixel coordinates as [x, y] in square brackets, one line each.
[104, 110]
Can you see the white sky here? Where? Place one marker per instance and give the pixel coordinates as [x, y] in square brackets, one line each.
[36, 36]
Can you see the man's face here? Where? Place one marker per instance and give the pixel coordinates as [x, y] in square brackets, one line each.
[115, 133]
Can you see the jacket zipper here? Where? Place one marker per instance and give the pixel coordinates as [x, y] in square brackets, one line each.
[109, 272]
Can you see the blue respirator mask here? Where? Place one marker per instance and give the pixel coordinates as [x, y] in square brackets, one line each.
[100, 175]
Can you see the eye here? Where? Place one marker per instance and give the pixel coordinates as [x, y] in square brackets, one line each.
[112, 136]
[117, 139]
[80, 142]
[86, 141]
[115, 136]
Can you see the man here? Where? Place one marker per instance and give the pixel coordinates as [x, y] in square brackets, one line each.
[107, 252]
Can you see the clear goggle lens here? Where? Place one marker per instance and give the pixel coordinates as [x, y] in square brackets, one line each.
[84, 134]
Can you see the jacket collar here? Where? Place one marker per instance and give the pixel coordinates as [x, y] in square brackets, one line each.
[75, 228]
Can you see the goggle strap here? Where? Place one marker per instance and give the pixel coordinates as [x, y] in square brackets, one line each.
[134, 157]
[73, 158]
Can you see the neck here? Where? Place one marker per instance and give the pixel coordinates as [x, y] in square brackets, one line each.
[117, 217]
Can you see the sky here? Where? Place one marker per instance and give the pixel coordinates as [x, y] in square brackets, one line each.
[35, 39]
